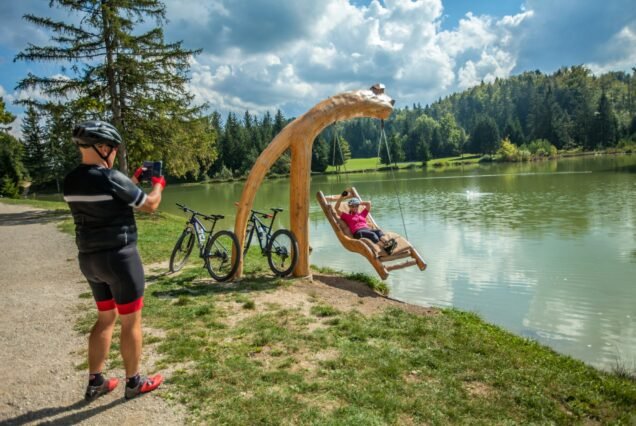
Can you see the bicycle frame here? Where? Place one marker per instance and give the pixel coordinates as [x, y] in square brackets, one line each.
[263, 231]
[200, 231]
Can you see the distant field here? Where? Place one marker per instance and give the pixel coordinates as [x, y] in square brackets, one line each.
[360, 164]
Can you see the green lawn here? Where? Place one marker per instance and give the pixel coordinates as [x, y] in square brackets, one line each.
[372, 164]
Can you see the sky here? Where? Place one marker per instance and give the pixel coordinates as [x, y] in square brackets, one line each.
[264, 55]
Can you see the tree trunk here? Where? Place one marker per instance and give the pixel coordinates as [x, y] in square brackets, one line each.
[115, 107]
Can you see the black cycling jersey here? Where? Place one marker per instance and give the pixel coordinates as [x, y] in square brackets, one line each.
[102, 201]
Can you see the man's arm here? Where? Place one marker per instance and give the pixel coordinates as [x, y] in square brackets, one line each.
[153, 199]
[366, 205]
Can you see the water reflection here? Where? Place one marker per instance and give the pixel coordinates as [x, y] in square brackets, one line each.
[547, 250]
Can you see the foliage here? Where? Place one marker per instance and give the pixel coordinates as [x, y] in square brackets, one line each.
[540, 148]
[12, 168]
[9, 188]
[508, 151]
[122, 74]
[36, 155]
[6, 117]
[485, 136]
[320, 155]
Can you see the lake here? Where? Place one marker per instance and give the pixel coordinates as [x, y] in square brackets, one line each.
[546, 249]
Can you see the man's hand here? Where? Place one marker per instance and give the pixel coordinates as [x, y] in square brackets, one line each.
[138, 172]
[158, 180]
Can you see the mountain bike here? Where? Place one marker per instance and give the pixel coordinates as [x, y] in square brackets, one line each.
[215, 248]
[281, 247]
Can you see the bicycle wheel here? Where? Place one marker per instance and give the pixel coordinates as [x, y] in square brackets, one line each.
[182, 250]
[282, 252]
[218, 255]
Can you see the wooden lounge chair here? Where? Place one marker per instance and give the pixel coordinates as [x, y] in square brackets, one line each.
[375, 254]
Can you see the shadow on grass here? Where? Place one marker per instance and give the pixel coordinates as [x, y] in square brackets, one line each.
[190, 283]
[356, 287]
[31, 217]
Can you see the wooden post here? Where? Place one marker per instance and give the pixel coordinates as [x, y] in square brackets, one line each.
[299, 136]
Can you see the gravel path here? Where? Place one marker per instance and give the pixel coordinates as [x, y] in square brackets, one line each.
[40, 284]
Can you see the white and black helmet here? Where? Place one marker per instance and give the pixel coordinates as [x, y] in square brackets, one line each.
[89, 133]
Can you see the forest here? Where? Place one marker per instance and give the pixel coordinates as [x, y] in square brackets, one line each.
[138, 81]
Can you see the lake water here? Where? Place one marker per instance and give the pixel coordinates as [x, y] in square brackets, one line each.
[546, 250]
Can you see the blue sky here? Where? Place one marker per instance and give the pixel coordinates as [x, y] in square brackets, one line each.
[262, 55]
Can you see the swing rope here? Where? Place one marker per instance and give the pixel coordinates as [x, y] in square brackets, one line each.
[397, 195]
[336, 141]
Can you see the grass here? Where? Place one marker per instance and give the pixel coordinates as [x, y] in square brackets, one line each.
[391, 368]
[238, 360]
[356, 165]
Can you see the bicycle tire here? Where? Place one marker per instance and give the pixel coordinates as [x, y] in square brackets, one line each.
[218, 255]
[282, 252]
[176, 263]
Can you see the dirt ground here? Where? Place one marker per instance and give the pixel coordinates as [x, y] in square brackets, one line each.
[40, 284]
[40, 287]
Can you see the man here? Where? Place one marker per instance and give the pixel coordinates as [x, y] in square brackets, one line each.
[356, 220]
[102, 201]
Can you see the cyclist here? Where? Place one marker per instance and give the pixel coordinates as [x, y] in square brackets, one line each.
[357, 221]
[102, 201]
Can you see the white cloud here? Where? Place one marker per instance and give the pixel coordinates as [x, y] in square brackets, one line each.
[344, 47]
[621, 49]
[290, 54]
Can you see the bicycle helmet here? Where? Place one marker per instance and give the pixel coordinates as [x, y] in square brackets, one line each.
[353, 202]
[89, 133]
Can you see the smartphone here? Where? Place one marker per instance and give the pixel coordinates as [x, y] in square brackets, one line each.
[151, 169]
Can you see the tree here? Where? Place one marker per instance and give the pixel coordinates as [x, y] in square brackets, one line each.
[605, 128]
[340, 152]
[12, 170]
[320, 155]
[485, 137]
[36, 156]
[124, 75]
[5, 117]
[394, 152]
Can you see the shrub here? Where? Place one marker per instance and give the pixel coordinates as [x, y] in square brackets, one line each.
[9, 188]
[507, 151]
[224, 173]
[541, 148]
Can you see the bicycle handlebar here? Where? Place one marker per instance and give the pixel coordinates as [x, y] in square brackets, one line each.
[263, 214]
[196, 213]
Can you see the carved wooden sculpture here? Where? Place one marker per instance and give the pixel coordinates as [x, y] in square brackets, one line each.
[299, 136]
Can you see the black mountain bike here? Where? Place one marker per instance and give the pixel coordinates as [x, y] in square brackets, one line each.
[215, 249]
[281, 247]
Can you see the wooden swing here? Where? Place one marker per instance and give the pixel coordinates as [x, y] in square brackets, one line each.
[375, 253]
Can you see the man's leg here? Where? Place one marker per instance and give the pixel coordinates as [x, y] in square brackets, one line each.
[131, 340]
[99, 340]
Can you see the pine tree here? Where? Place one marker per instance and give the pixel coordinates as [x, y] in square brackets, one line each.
[36, 157]
[126, 76]
[605, 130]
[485, 137]
[6, 117]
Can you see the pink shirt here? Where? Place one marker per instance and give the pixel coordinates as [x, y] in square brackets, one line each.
[356, 221]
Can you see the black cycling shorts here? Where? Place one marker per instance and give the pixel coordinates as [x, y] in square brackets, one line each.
[116, 278]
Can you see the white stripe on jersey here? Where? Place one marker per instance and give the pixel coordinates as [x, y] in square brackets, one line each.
[87, 198]
[139, 201]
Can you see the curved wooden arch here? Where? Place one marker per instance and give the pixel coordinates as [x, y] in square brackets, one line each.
[299, 136]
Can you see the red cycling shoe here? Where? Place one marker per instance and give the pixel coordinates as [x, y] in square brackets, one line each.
[145, 385]
[94, 392]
